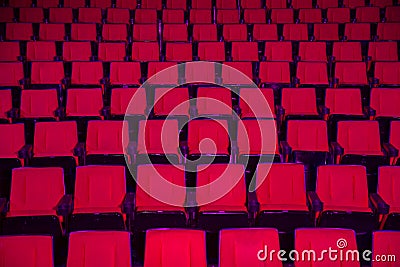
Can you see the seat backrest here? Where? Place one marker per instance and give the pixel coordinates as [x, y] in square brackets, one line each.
[383, 51]
[77, 51]
[5, 103]
[308, 135]
[314, 73]
[230, 73]
[7, 14]
[310, 15]
[255, 16]
[265, 32]
[118, 15]
[214, 101]
[171, 101]
[145, 51]
[385, 243]
[94, 248]
[51, 32]
[358, 31]
[343, 101]
[253, 103]
[11, 73]
[228, 16]
[302, 4]
[156, 75]
[246, 241]
[41, 51]
[276, 3]
[36, 191]
[11, 51]
[38, 103]
[89, 15]
[213, 51]
[278, 51]
[368, 14]
[112, 51]
[275, 72]
[200, 16]
[389, 31]
[125, 73]
[12, 139]
[353, 3]
[106, 137]
[235, 32]
[388, 72]
[388, 184]
[226, 4]
[131, 4]
[347, 51]
[244, 51]
[295, 32]
[326, 32]
[176, 4]
[359, 137]
[84, 102]
[173, 247]
[145, 32]
[114, 32]
[29, 251]
[156, 4]
[121, 99]
[301, 101]
[205, 4]
[205, 32]
[394, 134]
[179, 52]
[250, 4]
[384, 101]
[47, 72]
[87, 73]
[101, 187]
[175, 33]
[351, 73]
[312, 51]
[338, 14]
[282, 15]
[146, 16]
[391, 13]
[83, 32]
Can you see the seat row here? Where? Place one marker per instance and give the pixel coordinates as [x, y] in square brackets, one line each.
[101, 201]
[196, 16]
[188, 247]
[182, 4]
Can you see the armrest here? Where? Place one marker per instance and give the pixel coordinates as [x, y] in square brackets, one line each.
[323, 110]
[58, 58]
[331, 59]
[65, 206]
[367, 58]
[390, 150]
[13, 113]
[104, 80]
[21, 58]
[297, 58]
[192, 111]
[280, 111]
[252, 203]
[66, 81]
[132, 148]
[184, 147]
[93, 58]
[106, 112]
[313, 202]
[25, 152]
[295, 81]
[374, 82]
[129, 204]
[24, 81]
[369, 112]
[377, 204]
[337, 149]
[80, 149]
[60, 112]
[237, 110]
[3, 206]
[229, 58]
[286, 148]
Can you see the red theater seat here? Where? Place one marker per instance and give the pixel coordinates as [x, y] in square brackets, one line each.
[176, 4]
[276, 3]
[326, 32]
[156, 4]
[179, 52]
[47, 72]
[230, 73]
[353, 3]
[308, 15]
[327, 3]
[19, 31]
[61, 15]
[384, 102]
[235, 32]
[11, 73]
[226, 4]
[112, 51]
[212, 51]
[383, 51]
[216, 101]
[41, 51]
[83, 32]
[312, 51]
[388, 182]
[351, 73]
[5, 104]
[96, 247]
[173, 16]
[314, 73]
[201, 4]
[144, 16]
[84, 102]
[297, 4]
[387, 73]
[100, 3]
[205, 32]
[11, 51]
[392, 14]
[7, 14]
[345, 102]
[74, 3]
[89, 15]
[253, 102]
[338, 14]
[166, 77]
[275, 72]
[118, 15]
[121, 98]
[284, 15]
[171, 102]
[175, 33]
[251, 4]
[200, 16]
[299, 102]
[114, 32]
[145, 32]
[368, 14]
[228, 16]
[295, 32]
[19, 3]
[131, 4]
[265, 32]
[385, 242]
[389, 31]
[125, 73]
[145, 51]
[86, 73]
[12, 140]
[244, 51]
[252, 16]
[38, 104]
[31, 14]
[77, 51]
[381, 3]
[51, 32]
[347, 51]
[278, 51]
[357, 31]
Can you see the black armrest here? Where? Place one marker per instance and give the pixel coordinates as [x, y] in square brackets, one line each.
[93, 58]
[369, 112]
[192, 111]
[312, 38]
[324, 20]
[323, 110]
[129, 204]
[390, 150]
[34, 38]
[80, 149]
[13, 113]
[66, 81]
[313, 202]
[252, 203]
[297, 58]
[142, 80]
[24, 81]
[377, 204]
[58, 58]
[280, 111]
[60, 112]
[263, 58]
[374, 82]
[26, 152]
[367, 58]
[286, 148]
[295, 81]
[229, 58]
[106, 112]
[331, 59]
[3, 206]
[344, 38]
[127, 58]
[65, 206]
[132, 148]
[184, 147]
[104, 80]
[337, 148]
[21, 58]
[237, 110]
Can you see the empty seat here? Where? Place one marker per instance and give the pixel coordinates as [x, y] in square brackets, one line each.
[19, 31]
[47, 72]
[327, 3]
[175, 33]
[251, 4]
[387, 73]
[299, 102]
[61, 15]
[314, 73]
[310, 15]
[94, 247]
[383, 51]
[274, 72]
[230, 73]
[153, 144]
[5, 104]
[145, 51]
[131, 4]
[381, 3]
[151, 4]
[284, 15]
[200, 16]
[84, 102]
[112, 51]
[205, 32]
[265, 32]
[205, 75]
[213, 51]
[353, 3]
[243, 240]
[11, 73]
[145, 32]
[226, 4]
[151, 209]
[51, 32]
[201, 4]
[384, 102]
[89, 15]
[114, 32]
[21, 251]
[253, 103]
[228, 211]
[41, 51]
[19, 3]
[278, 51]
[338, 15]
[99, 198]
[384, 244]
[297, 4]
[100, 3]
[357, 31]
[244, 51]
[228, 16]
[156, 75]
[344, 192]
[214, 101]
[326, 32]
[11, 51]
[38, 104]
[343, 102]
[391, 14]
[215, 131]
[368, 14]
[144, 16]
[34, 208]
[317, 239]
[178, 52]
[176, 4]
[125, 73]
[235, 32]
[312, 51]
[74, 3]
[171, 102]
[162, 242]
[276, 4]
[282, 195]
[351, 73]
[387, 184]
[121, 98]
[83, 32]
[295, 32]
[173, 16]
[87, 73]
[118, 15]
[77, 51]
[31, 14]
[255, 16]
[388, 31]
[7, 14]
[347, 51]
